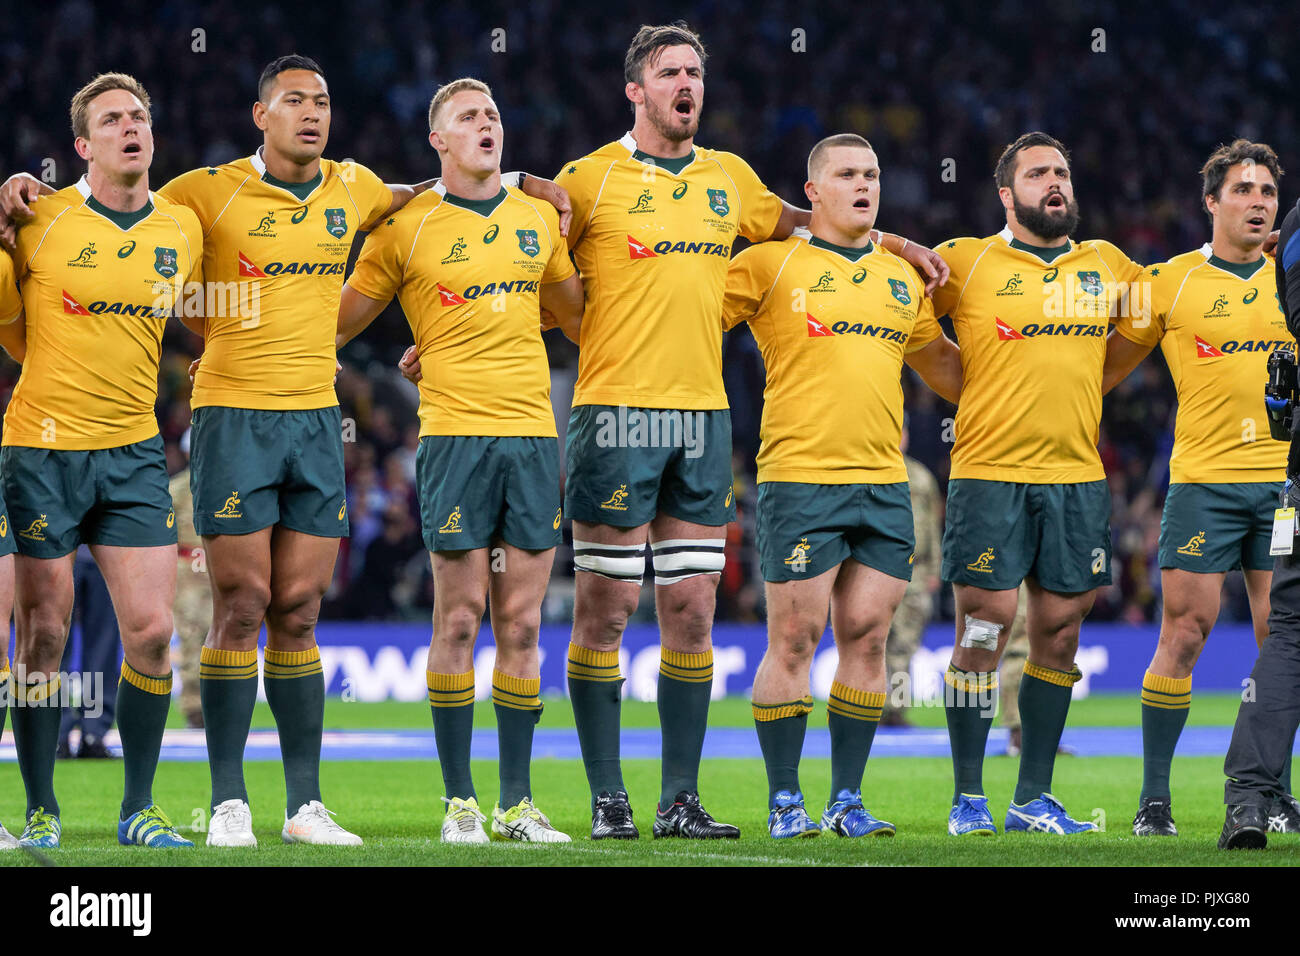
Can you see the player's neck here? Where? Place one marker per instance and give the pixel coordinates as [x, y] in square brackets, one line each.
[281, 167]
[1029, 238]
[467, 185]
[1230, 252]
[826, 232]
[651, 142]
[118, 195]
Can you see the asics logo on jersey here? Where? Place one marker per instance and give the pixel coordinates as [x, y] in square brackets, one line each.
[83, 257]
[230, 509]
[618, 500]
[824, 283]
[34, 531]
[263, 227]
[457, 253]
[1050, 275]
[452, 524]
[643, 203]
[491, 234]
[680, 191]
[1193, 545]
[1012, 286]
[982, 562]
[1219, 309]
[1249, 297]
[859, 276]
[126, 250]
[299, 215]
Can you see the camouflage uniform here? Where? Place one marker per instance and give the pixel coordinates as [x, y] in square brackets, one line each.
[193, 607]
[917, 606]
[1014, 656]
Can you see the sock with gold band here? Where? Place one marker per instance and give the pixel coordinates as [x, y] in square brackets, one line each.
[968, 704]
[1166, 702]
[1044, 703]
[685, 686]
[596, 692]
[451, 700]
[36, 737]
[227, 693]
[781, 729]
[142, 703]
[5, 692]
[518, 710]
[295, 689]
[853, 716]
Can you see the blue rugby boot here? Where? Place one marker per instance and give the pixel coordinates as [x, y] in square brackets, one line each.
[1045, 815]
[789, 818]
[847, 817]
[970, 816]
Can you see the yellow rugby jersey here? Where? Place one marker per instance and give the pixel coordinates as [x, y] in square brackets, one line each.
[1216, 323]
[653, 240]
[11, 301]
[98, 287]
[833, 325]
[468, 274]
[1032, 326]
[276, 252]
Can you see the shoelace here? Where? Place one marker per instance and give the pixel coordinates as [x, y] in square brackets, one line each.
[41, 824]
[462, 814]
[617, 812]
[155, 813]
[532, 813]
[320, 814]
[240, 818]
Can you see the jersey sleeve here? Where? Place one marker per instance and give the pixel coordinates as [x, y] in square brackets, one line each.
[559, 266]
[1142, 314]
[380, 266]
[926, 328]
[760, 208]
[368, 191]
[960, 254]
[748, 280]
[193, 233]
[11, 302]
[581, 179]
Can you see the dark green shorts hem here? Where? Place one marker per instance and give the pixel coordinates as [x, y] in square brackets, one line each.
[1216, 528]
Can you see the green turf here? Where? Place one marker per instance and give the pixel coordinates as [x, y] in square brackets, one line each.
[1097, 710]
[395, 807]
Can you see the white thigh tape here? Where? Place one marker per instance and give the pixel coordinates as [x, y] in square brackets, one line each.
[615, 561]
[981, 634]
[681, 558]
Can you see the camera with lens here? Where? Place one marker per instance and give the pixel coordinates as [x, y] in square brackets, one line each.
[1281, 393]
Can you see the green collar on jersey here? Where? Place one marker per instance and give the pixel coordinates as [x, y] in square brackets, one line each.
[1242, 270]
[299, 190]
[484, 207]
[674, 166]
[123, 220]
[848, 252]
[1046, 253]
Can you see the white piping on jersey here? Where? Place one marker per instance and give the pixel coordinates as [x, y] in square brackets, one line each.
[776, 278]
[596, 202]
[28, 264]
[973, 266]
[549, 238]
[420, 228]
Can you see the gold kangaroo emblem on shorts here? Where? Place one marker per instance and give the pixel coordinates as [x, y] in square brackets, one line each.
[1193, 545]
[228, 510]
[33, 531]
[617, 501]
[982, 562]
[453, 522]
[799, 554]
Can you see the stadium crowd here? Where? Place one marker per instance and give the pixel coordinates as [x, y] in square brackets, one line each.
[780, 78]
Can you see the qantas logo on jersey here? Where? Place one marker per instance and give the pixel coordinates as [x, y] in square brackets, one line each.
[883, 332]
[495, 288]
[71, 306]
[815, 328]
[248, 270]
[1033, 330]
[448, 297]
[101, 307]
[1205, 350]
[639, 250]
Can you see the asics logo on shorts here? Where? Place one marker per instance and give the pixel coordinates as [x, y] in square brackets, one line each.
[4, 526]
[228, 510]
[618, 500]
[33, 531]
[555, 524]
[171, 518]
[452, 524]
[343, 510]
[982, 562]
[1193, 545]
[727, 503]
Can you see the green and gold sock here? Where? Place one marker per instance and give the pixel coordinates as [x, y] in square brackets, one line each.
[781, 729]
[968, 705]
[518, 710]
[36, 737]
[596, 692]
[227, 692]
[451, 700]
[142, 704]
[853, 716]
[1044, 703]
[295, 689]
[6, 692]
[1166, 702]
[685, 686]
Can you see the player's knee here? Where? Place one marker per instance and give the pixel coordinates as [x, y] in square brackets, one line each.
[518, 632]
[690, 612]
[600, 625]
[1185, 637]
[459, 624]
[39, 644]
[791, 644]
[151, 628]
[239, 610]
[868, 645]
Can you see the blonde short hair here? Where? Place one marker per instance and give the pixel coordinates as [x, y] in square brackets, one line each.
[103, 83]
[448, 90]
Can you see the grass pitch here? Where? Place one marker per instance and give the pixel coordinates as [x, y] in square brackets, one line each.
[394, 806]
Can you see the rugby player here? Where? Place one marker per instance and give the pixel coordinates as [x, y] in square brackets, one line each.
[835, 317]
[648, 450]
[1213, 313]
[1027, 499]
[472, 264]
[101, 266]
[13, 340]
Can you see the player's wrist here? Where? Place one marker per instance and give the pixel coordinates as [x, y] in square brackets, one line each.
[514, 179]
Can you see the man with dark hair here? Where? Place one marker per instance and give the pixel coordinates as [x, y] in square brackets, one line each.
[1027, 498]
[1267, 718]
[654, 222]
[1206, 312]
